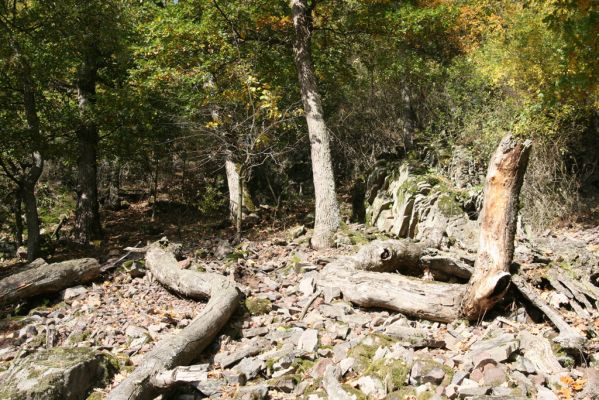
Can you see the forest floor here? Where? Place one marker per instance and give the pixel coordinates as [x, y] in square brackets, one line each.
[283, 356]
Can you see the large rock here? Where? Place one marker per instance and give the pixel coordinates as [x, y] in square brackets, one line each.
[56, 374]
[411, 203]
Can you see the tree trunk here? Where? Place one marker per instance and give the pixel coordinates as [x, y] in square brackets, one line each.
[87, 214]
[326, 219]
[33, 223]
[491, 276]
[239, 218]
[232, 172]
[47, 278]
[18, 213]
[185, 346]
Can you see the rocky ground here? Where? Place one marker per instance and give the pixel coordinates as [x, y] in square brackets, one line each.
[291, 339]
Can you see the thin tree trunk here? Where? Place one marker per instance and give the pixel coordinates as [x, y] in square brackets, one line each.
[155, 189]
[239, 218]
[87, 215]
[33, 223]
[18, 212]
[232, 171]
[491, 275]
[327, 210]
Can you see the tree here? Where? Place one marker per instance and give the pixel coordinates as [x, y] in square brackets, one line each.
[326, 217]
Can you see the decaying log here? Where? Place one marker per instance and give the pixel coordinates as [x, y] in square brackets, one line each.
[189, 374]
[45, 278]
[568, 336]
[491, 276]
[389, 255]
[184, 347]
[436, 301]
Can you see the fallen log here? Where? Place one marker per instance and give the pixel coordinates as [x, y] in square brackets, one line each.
[436, 301]
[45, 278]
[181, 349]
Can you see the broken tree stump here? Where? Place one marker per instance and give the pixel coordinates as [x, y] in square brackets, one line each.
[182, 348]
[491, 276]
[48, 278]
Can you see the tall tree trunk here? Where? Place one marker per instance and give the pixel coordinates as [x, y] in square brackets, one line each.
[239, 219]
[87, 215]
[33, 223]
[327, 210]
[491, 275]
[18, 213]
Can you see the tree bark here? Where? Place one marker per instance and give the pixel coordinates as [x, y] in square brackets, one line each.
[232, 171]
[239, 218]
[47, 278]
[326, 220]
[491, 276]
[31, 215]
[87, 214]
[18, 213]
[184, 347]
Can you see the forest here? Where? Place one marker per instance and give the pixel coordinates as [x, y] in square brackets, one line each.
[299, 199]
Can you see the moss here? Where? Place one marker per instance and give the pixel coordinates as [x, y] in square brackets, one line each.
[351, 390]
[448, 206]
[95, 396]
[257, 305]
[406, 392]
[79, 337]
[302, 366]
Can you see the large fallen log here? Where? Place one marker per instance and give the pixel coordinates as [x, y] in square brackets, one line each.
[184, 347]
[439, 301]
[47, 278]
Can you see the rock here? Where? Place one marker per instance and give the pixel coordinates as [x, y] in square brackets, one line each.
[493, 375]
[133, 331]
[307, 285]
[56, 374]
[371, 386]
[234, 377]
[332, 386]
[27, 332]
[253, 332]
[73, 292]
[330, 293]
[222, 249]
[538, 350]
[253, 392]
[425, 371]
[258, 305]
[284, 384]
[471, 388]
[346, 364]
[308, 341]
[415, 337]
[545, 394]
[250, 367]
[210, 387]
[296, 232]
[497, 349]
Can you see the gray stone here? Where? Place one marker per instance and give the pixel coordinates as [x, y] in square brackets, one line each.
[56, 374]
[253, 392]
[251, 348]
[72, 292]
[308, 341]
[371, 386]
[284, 384]
[234, 377]
[133, 331]
[346, 364]
[307, 285]
[250, 367]
[497, 349]
[425, 372]
[330, 293]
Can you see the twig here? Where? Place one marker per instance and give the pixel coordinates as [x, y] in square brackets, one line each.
[309, 303]
[129, 251]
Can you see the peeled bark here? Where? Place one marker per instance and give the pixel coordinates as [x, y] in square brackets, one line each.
[326, 216]
[491, 276]
[87, 213]
[47, 278]
[184, 347]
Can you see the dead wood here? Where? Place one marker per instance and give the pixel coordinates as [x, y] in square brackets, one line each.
[491, 276]
[45, 278]
[390, 255]
[184, 347]
[568, 336]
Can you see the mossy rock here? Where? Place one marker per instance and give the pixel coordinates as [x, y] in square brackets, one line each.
[258, 305]
[57, 374]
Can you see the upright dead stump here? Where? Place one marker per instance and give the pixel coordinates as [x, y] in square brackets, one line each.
[491, 276]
